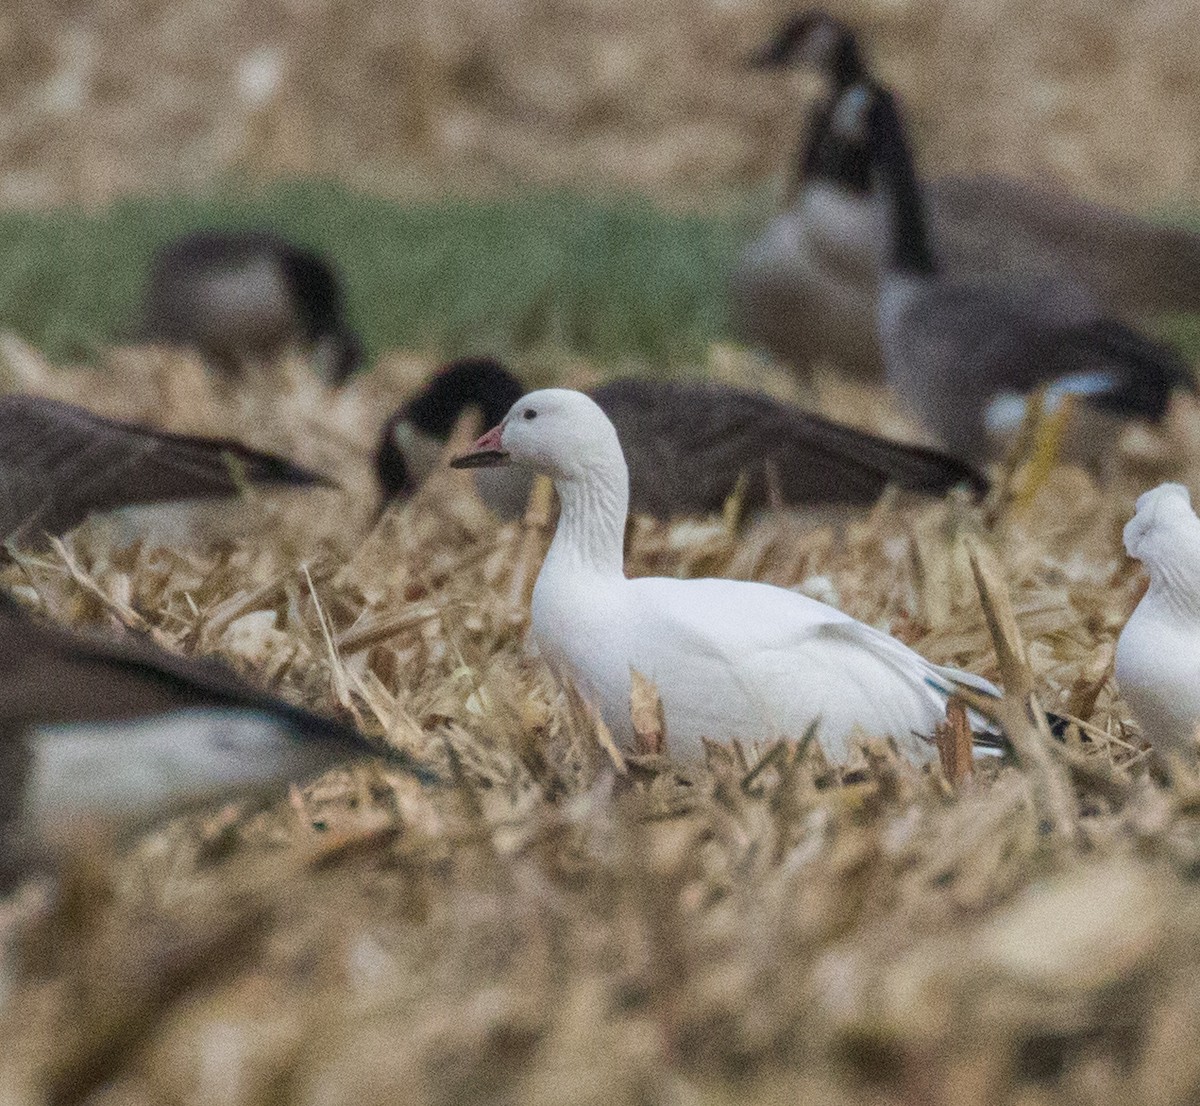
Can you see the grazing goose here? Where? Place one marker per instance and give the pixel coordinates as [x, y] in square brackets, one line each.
[59, 463]
[981, 226]
[117, 729]
[687, 446]
[730, 659]
[958, 352]
[240, 297]
[1158, 652]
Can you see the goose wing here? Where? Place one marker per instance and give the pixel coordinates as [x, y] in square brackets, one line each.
[688, 444]
[59, 463]
[741, 659]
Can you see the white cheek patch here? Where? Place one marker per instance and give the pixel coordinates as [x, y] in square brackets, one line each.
[149, 768]
[421, 451]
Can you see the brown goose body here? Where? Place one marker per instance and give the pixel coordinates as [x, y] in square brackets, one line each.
[807, 287]
[246, 297]
[689, 446]
[59, 463]
[91, 726]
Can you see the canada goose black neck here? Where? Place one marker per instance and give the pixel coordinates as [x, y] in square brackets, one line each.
[815, 38]
[833, 159]
[892, 159]
[481, 382]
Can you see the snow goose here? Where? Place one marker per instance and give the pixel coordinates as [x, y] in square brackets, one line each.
[963, 354]
[1158, 652]
[687, 445]
[989, 225]
[730, 659]
[59, 463]
[240, 297]
[120, 730]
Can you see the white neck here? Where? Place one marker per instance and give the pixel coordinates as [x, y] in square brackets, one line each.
[590, 537]
[1175, 577]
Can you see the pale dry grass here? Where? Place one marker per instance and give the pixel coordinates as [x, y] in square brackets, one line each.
[565, 923]
[98, 100]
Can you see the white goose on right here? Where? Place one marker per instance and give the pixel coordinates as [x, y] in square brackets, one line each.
[731, 659]
[1158, 651]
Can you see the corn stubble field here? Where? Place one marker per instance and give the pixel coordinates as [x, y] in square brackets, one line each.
[564, 921]
[567, 922]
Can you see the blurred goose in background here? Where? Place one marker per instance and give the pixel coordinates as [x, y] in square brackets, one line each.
[964, 353]
[730, 659]
[805, 287]
[1001, 228]
[247, 297]
[688, 446]
[59, 463]
[1158, 652]
[118, 730]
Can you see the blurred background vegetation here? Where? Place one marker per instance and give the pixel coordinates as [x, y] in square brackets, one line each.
[566, 173]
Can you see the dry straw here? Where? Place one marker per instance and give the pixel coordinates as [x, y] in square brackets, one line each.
[566, 921]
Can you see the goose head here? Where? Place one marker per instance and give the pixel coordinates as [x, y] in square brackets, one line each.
[851, 116]
[557, 432]
[319, 306]
[813, 40]
[1162, 518]
[412, 439]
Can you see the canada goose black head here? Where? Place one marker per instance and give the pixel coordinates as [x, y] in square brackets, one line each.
[815, 40]
[321, 311]
[413, 436]
[482, 382]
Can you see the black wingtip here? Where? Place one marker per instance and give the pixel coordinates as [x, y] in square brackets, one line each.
[265, 468]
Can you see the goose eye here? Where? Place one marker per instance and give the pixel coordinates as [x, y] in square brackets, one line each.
[530, 413]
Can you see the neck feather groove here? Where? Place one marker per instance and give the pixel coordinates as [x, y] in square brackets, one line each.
[590, 536]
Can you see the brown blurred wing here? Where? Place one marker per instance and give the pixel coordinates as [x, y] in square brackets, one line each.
[59, 463]
[51, 675]
[688, 444]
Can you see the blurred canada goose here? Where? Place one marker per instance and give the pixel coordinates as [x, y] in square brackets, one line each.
[59, 463]
[120, 730]
[805, 287]
[824, 249]
[688, 446]
[958, 351]
[240, 297]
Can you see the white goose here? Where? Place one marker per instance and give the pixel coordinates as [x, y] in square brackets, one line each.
[730, 659]
[1158, 652]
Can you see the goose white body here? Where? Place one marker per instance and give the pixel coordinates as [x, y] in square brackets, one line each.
[730, 659]
[1158, 652]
